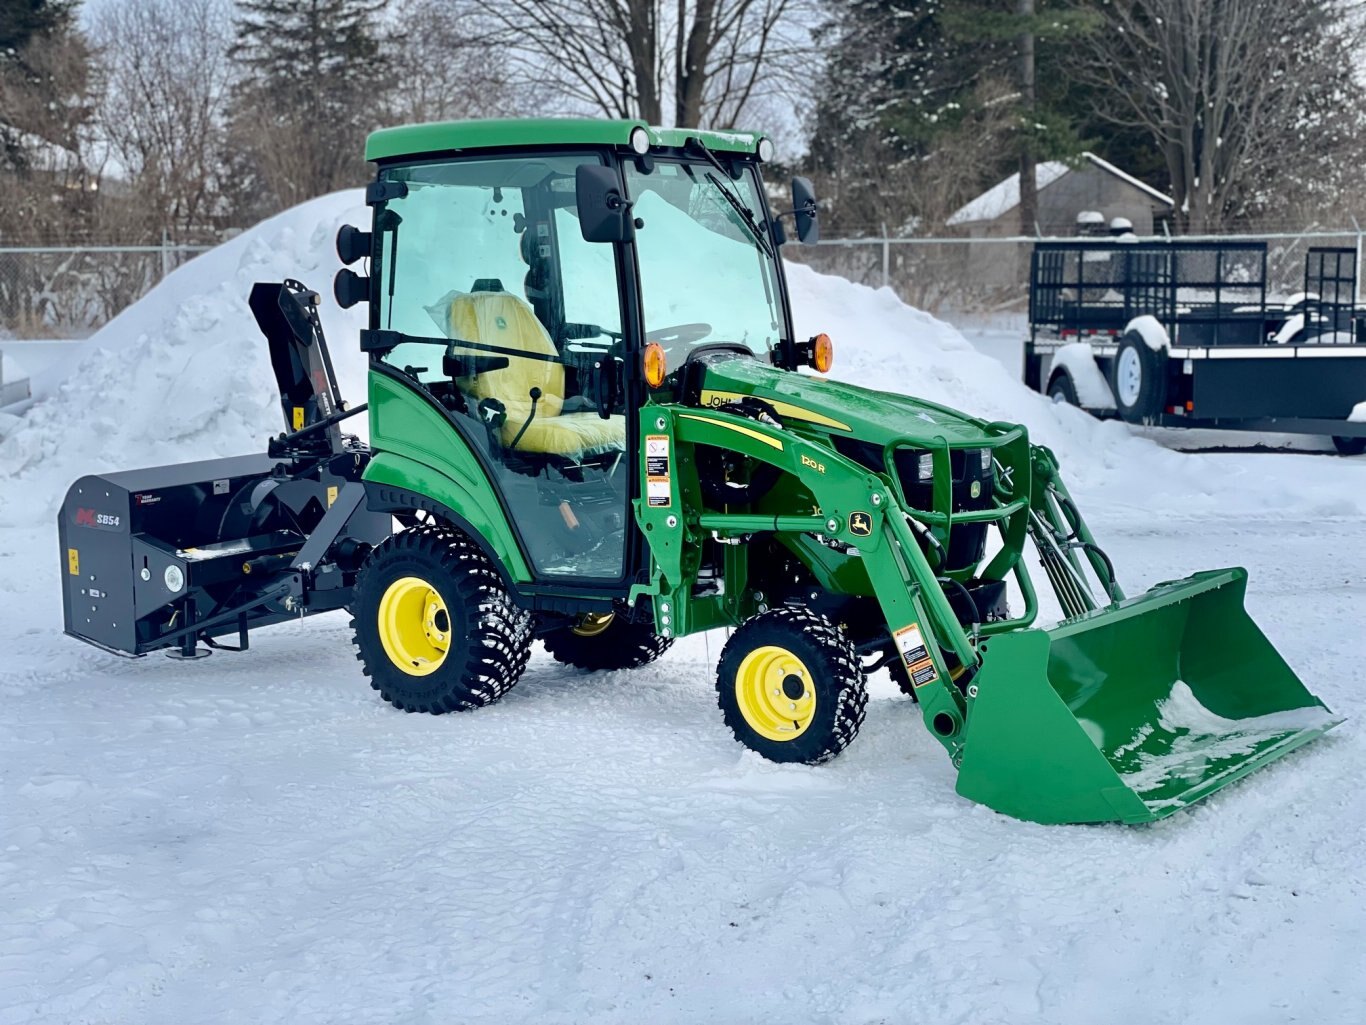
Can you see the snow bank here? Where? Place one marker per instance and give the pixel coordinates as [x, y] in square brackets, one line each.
[184, 374]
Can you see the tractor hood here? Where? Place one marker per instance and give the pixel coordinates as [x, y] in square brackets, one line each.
[871, 416]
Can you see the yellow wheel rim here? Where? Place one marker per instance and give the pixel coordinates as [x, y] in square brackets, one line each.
[774, 692]
[414, 626]
[593, 623]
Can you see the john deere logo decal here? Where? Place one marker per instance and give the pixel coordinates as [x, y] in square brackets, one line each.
[502, 323]
[860, 524]
[976, 489]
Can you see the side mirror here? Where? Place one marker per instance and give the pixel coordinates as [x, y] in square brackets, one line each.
[604, 215]
[804, 211]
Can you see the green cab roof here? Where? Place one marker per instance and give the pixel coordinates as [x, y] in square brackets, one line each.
[521, 133]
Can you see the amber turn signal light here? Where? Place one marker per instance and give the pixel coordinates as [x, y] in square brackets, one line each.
[822, 353]
[656, 366]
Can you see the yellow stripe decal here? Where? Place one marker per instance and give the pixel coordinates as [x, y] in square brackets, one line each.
[717, 398]
[771, 442]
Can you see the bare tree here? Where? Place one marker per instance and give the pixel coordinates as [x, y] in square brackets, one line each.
[163, 113]
[701, 61]
[1240, 95]
[455, 73]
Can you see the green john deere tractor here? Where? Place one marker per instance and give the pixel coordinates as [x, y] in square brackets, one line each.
[589, 417]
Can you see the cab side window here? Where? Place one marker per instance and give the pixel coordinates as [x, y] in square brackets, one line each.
[483, 263]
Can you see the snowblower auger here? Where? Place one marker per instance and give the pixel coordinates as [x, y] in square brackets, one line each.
[589, 421]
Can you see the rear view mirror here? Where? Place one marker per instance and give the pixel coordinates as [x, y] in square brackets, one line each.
[604, 215]
[804, 211]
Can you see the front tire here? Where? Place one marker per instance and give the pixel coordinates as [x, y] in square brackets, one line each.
[606, 641]
[434, 627]
[790, 686]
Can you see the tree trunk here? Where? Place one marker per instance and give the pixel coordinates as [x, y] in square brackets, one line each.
[1029, 188]
[643, 42]
[693, 58]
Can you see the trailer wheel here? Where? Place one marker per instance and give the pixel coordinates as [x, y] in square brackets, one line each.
[434, 627]
[604, 641]
[790, 686]
[1137, 376]
[1349, 446]
[1061, 388]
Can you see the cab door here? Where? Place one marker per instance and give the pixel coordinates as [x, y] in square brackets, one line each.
[514, 325]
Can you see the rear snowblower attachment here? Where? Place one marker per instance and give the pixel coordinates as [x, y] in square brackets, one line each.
[1134, 711]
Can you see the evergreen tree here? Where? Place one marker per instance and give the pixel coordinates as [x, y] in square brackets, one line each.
[930, 93]
[311, 88]
[46, 104]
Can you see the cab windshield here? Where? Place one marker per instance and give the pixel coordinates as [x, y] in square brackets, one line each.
[707, 275]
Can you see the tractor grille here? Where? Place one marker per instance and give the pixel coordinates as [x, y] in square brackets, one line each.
[967, 541]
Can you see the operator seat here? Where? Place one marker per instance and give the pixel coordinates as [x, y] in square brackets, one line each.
[491, 316]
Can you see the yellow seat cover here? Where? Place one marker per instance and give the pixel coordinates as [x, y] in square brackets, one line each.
[502, 319]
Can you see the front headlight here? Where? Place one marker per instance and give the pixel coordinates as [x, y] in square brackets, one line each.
[986, 460]
[924, 469]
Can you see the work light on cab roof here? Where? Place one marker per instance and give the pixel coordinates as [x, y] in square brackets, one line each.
[587, 420]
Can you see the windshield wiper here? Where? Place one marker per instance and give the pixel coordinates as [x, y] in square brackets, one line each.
[746, 215]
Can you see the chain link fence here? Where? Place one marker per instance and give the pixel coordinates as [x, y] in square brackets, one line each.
[70, 291]
[985, 275]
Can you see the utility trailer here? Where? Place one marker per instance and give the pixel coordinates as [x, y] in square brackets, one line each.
[1185, 334]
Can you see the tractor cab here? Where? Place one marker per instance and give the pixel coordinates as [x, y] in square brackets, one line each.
[518, 289]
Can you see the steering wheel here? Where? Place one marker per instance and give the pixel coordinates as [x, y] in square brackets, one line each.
[678, 334]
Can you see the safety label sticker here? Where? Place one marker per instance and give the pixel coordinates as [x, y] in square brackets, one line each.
[657, 486]
[657, 493]
[915, 656]
[657, 455]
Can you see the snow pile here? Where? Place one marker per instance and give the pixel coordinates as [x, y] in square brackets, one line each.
[184, 374]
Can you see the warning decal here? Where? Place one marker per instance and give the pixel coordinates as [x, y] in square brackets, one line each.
[657, 484]
[657, 456]
[914, 656]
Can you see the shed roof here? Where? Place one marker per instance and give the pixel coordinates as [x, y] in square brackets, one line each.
[1004, 196]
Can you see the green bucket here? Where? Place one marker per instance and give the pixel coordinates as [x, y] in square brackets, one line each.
[1134, 711]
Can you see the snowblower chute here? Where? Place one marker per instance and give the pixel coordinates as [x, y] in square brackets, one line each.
[590, 425]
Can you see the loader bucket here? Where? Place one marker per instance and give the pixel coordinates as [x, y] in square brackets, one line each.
[1134, 711]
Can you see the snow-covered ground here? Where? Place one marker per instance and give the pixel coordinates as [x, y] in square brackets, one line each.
[258, 838]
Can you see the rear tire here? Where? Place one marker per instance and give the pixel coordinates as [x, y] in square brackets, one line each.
[1349, 446]
[1061, 388]
[616, 643]
[790, 686]
[434, 627]
[1138, 378]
